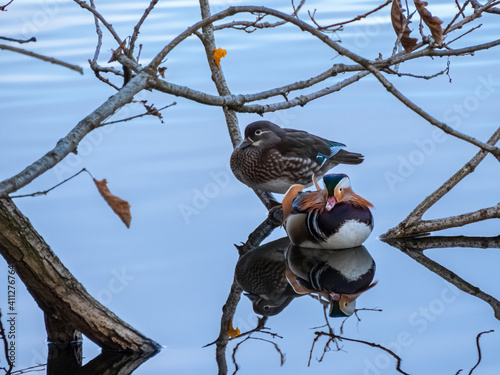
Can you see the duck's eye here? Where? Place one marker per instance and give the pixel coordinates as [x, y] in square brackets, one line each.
[266, 307]
[258, 132]
[340, 189]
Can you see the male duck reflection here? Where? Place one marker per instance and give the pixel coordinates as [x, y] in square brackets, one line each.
[272, 158]
[332, 218]
[339, 276]
[261, 273]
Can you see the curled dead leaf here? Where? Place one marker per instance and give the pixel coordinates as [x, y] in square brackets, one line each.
[119, 206]
[219, 53]
[433, 23]
[398, 21]
[161, 70]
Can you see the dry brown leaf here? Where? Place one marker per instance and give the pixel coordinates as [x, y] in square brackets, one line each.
[398, 20]
[119, 206]
[433, 23]
[161, 70]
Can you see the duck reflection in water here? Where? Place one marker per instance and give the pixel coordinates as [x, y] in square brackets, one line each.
[340, 276]
[261, 273]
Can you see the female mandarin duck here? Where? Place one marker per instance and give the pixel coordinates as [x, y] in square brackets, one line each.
[261, 273]
[332, 218]
[272, 159]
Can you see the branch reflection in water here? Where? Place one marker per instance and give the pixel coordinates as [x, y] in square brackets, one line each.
[414, 248]
[271, 276]
[274, 274]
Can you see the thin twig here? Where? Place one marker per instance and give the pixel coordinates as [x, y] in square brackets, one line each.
[137, 28]
[108, 26]
[137, 116]
[357, 18]
[464, 34]
[479, 350]
[2, 7]
[426, 77]
[368, 343]
[93, 63]
[42, 57]
[20, 41]
[45, 192]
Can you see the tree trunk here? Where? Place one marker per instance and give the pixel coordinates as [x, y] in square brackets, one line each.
[58, 293]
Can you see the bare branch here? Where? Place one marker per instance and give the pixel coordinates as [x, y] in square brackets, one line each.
[245, 25]
[406, 247]
[479, 349]
[440, 242]
[432, 120]
[70, 142]
[229, 308]
[137, 116]
[460, 12]
[108, 26]
[368, 343]
[45, 192]
[404, 228]
[42, 57]
[2, 7]
[357, 18]
[20, 41]
[137, 28]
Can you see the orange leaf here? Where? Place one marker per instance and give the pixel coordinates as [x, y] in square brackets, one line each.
[219, 53]
[433, 23]
[231, 332]
[398, 20]
[119, 206]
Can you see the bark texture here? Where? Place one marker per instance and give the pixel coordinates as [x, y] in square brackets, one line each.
[58, 293]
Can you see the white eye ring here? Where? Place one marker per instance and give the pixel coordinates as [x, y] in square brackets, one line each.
[258, 132]
[340, 189]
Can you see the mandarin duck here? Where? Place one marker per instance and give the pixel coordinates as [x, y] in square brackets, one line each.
[261, 274]
[332, 218]
[272, 159]
[339, 276]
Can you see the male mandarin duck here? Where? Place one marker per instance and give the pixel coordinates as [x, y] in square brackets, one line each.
[339, 276]
[271, 158]
[261, 274]
[332, 218]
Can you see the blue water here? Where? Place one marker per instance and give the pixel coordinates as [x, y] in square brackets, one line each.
[176, 269]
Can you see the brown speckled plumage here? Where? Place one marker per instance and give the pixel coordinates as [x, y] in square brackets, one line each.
[271, 158]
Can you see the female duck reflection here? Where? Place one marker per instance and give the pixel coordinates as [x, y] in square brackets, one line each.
[273, 274]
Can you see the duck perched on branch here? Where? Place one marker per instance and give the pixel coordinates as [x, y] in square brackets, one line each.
[331, 218]
[271, 158]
